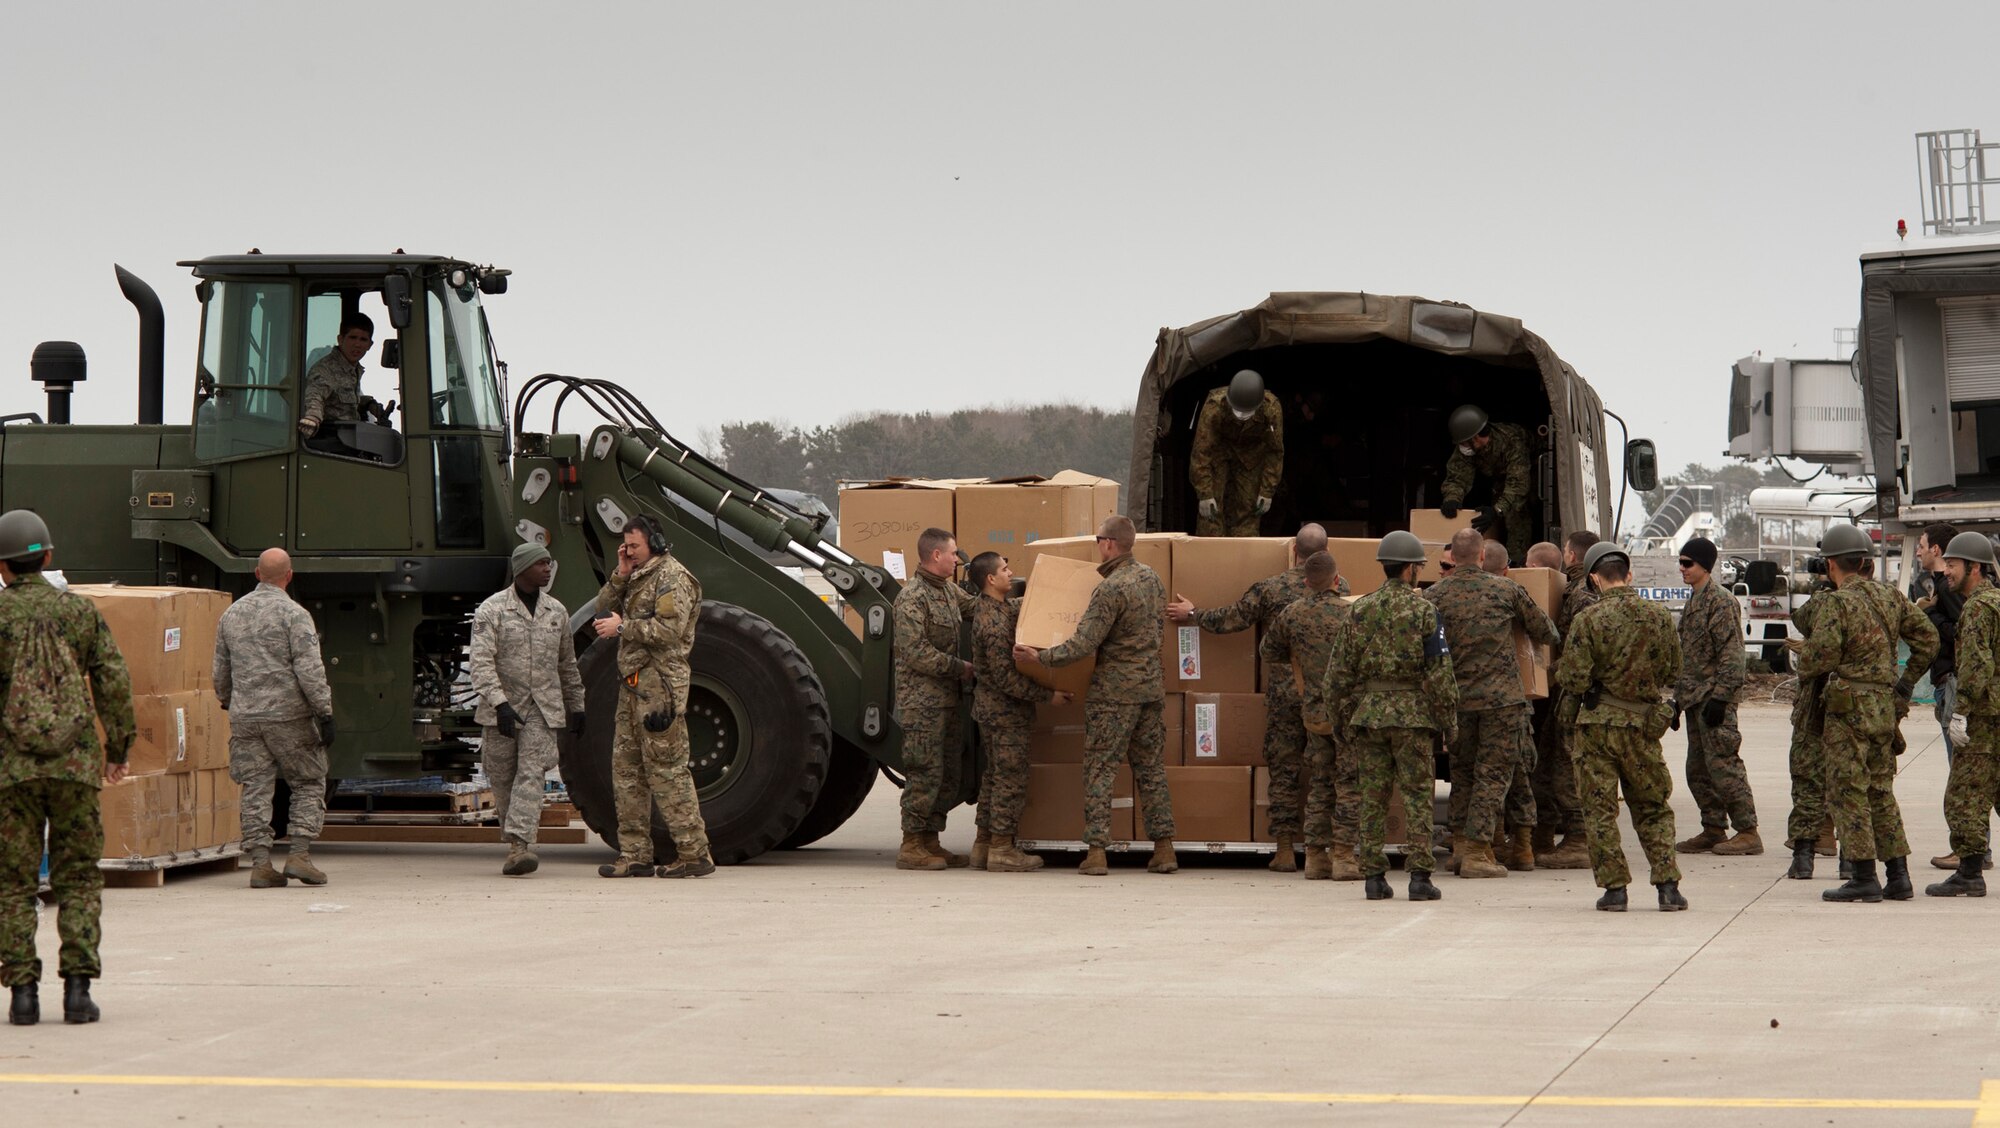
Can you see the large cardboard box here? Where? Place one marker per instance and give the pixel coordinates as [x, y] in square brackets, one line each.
[167, 635]
[889, 515]
[1154, 550]
[1055, 804]
[1545, 586]
[1215, 572]
[138, 817]
[1007, 514]
[1354, 559]
[1436, 530]
[1223, 729]
[167, 736]
[1054, 605]
[186, 807]
[1533, 660]
[1210, 805]
[211, 749]
[218, 809]
[1056, 737]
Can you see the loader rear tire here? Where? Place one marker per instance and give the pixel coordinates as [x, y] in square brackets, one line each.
[759, 737]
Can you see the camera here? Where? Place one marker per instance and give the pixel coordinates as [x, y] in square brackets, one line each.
[1816, 565]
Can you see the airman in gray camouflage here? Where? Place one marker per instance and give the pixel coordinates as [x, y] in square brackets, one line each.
[270, 677]
[1711, 679]
[333, 387]
[1296, 646]
[54, 789]
[1124, 720]
[523, 667]
[1003, 702]
[651, 604]
[1974, 784]
[929, 673]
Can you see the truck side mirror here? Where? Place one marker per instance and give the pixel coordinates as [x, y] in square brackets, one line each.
[396, 295]
[1642, 465]
[392, 353]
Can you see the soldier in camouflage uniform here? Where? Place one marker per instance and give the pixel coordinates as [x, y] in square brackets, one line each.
[1390, 690]
[1619, 655]
[1003, 702]
[333, 387]
[651, 604]
[1854, 643]
[269, 675]
[1557, 801]
[1494, 456]
[1295, 650]
[523, 667]
[1711, 679]
[1238, 457]
[51, 765]
[1284, 733]
[1973, 787]
[1124, 719]
[929, 672]
[1808, 756]
[1480, 612]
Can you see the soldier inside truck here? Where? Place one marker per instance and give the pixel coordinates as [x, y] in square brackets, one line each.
[1365, 434]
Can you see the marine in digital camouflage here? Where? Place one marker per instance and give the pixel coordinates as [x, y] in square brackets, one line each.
[1235, 463]
[1854, 645]
[659, 603]
[1284, 730]
[1502, 468]
[1973, 788]
[1003, 702]
[1626, 649]
[1480, 612]
[1711, 630]
[929, 672]
[1295, 650]
[526, 659]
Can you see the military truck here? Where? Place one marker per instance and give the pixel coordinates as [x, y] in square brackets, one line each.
[399, 526]
[1366, 382]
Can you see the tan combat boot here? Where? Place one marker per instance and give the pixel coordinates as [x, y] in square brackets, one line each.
[1742, 843]
[1478, 861]
[299, 863]
[937, 850]
[1284, 861]
[1521, 854]
[1701, 843]
[1094, 863]
[1458, 845]
[521, 861]
[1827, 846]
[1572, 853]
[262, 875]
[1318, 868]
[1164, 860]
[1005, 857]
[1345, 866]
[982, 847]
[913, 855]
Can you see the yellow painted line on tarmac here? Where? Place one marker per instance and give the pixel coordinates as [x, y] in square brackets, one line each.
[1986, 1105]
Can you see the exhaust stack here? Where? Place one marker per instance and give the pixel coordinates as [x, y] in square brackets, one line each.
[152, 348]
[58, 366]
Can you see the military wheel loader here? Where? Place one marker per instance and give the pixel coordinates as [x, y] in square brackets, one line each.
[400, 525]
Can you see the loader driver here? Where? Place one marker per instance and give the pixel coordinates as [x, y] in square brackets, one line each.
[1238, 457]
[1489, 461]
[333, 389]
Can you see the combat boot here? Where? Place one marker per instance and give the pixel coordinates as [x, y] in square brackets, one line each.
[1343, 863]
[1967, 882]
[1457, 857]
[521, 861]
[1094, 863]
[1743, 843]
[1846, 869]
[1478, 861]
[1005, 857]
[1421, 888]
[1861, 887]
[1572, 853]
[1826, 845]
[937, 850]
[262, 875]
[701, 865]
[1377, 888]
[1945, 861]
[982, 848]
[1521, 852]
[1613, 900]
[1896, 879]
[1284, 861]
[299, 863]
[1318, 868]
[1163, 860]
[26, 1009]
[625, 867]
[77, 1007]
[913, 856]
[1671, 900]
[1802, 860]
[1701, 843]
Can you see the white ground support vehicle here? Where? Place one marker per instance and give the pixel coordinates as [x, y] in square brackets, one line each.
[1772, 585]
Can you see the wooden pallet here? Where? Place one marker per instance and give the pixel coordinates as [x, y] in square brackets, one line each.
[404, 832]
[411, 802]
[151, 872]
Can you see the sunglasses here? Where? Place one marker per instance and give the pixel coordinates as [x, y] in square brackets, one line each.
[1686, 563]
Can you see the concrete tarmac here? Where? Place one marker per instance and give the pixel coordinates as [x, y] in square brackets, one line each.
[824, 986]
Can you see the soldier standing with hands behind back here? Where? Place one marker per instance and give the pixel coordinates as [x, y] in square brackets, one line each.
[1711, 631]
[929, 674]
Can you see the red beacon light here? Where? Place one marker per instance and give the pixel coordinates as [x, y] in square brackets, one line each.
[1902, 229]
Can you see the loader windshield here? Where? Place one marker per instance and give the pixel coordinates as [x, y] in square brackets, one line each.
[465, 378]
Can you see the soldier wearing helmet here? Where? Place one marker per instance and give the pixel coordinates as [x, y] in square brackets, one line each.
[1238, 457]
[1489, 463]
[1973, 788]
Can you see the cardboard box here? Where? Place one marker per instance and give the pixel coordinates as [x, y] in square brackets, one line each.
[185, 810]
[218, 809]
[1436, 531]
[1533, 660]
[1210, 805]
[1055, 804]
[1056, 737]
[1223, 729]
[211, 751]
[138, 817]
[167, 635]
[1354, 559]
[1005, 515]
[168, 732]
[1154, 550]
[1050, 613]
[889, 515]
[1214, 572]
[1545, 586]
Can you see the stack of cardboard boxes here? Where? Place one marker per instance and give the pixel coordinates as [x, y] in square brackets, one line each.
[880, 521]
[178, 797]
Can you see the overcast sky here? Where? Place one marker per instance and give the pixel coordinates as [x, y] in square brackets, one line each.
[803, 211]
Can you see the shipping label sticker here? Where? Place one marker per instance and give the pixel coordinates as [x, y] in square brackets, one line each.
[180, 728]
[1205, 737]
[892, 563]
[1190, 662]
[173, 639]
[1119, 802]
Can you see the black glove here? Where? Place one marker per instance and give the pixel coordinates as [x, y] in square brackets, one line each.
[326, 732]
[1448, 510]
[1589, 698]
[1674, 721]
[508, 720]
[576, 720]
[660, 720]
[1713, 710]
[1488, 517]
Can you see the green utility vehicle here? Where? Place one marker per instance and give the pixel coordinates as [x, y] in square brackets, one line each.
[399, 527]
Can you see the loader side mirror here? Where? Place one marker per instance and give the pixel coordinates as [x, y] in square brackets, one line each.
[396, 295]
[392, 353]
[1642, 465]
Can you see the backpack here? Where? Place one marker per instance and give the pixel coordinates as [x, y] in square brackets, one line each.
[48, 700]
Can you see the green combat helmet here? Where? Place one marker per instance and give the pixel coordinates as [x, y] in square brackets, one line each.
[1847, 540]
[1599, 551]
[1246, 393]
[1466, 423]
[1400, 547]
[1974, 547]
[23, 534]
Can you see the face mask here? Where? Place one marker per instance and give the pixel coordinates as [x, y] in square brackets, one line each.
[1465, 449]
[1243, 416]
